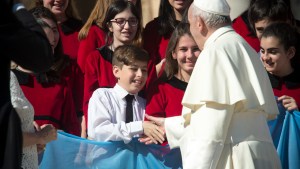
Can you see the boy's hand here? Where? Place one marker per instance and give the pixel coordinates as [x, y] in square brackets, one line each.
[288, 102]
[154, 132]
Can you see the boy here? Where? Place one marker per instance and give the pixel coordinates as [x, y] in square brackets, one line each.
[264, 12]
[109, 115]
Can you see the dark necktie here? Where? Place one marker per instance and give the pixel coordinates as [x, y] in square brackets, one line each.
[129, 110]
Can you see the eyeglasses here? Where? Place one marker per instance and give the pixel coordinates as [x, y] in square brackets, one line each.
[122, 21]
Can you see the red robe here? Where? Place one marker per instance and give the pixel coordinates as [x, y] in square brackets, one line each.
[240, 26]
[154, 43]
[53, 102]
[95, 39]
[288, 85]
[68, 32]
[98, 73]
[164, 100]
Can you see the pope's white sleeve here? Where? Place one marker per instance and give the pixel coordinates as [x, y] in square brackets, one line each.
[174, 130]
[209, 126]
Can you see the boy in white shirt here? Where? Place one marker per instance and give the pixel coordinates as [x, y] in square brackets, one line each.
[107, 106]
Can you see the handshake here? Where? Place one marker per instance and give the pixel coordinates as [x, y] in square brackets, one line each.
[154, 131]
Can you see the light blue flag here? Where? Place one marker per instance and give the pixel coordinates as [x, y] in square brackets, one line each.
[275, 126]
[285, 131]
[72, 152]
[289, 143]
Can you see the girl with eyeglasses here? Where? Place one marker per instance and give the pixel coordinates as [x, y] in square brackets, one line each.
[122, 26]
[92, 35]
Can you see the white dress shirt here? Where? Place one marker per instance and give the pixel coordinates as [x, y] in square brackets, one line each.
[107, 114]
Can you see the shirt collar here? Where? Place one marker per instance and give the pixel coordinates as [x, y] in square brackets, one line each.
[217, 34]
[121, 92]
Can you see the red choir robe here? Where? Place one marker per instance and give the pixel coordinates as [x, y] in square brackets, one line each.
[240, 26]
[155, 44]
[95, 39]
[288, 85]
[164, 100]
[68, 32]
[53, 102]
[98, 73]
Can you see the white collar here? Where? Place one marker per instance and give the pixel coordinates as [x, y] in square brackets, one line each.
[121, 92]
[217, 34]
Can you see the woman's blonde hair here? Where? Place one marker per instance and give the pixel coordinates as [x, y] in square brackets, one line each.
[97, 16]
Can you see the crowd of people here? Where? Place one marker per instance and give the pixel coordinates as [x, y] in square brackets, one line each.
[193, 77]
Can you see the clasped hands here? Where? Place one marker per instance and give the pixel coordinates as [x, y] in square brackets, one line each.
[154, 131]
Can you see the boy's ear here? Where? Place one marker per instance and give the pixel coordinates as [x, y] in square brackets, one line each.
[116, 71]
[291, 52]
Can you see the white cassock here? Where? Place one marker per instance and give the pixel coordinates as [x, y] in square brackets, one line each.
[230, 98]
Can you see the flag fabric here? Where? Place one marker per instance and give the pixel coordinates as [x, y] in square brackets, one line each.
[72, 152]
[285, 131]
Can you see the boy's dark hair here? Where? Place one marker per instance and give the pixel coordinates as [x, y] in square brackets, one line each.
[287, 36]
[128, 54]
[273, 10]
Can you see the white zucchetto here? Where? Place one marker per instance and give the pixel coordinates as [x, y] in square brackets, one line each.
[238, 7]
[219, 7]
